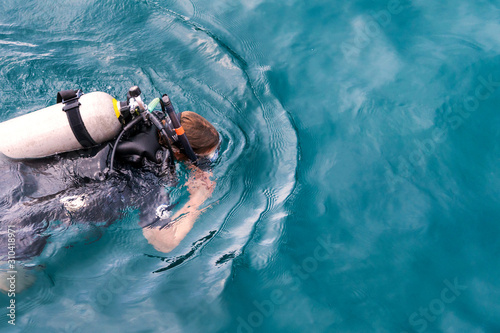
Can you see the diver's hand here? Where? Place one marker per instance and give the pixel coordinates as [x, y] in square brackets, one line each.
[199, 183]
[200, 188]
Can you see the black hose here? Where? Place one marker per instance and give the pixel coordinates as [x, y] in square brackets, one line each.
[163, 132]
[170, 150]
[125, 129]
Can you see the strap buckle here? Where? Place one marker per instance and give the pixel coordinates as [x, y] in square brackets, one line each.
[73, 102]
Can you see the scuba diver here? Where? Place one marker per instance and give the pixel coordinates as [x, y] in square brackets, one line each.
[92, 159]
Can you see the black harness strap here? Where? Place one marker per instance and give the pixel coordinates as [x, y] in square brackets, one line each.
[71, 106]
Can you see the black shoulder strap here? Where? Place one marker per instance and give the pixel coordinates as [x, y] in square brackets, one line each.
[71, 106]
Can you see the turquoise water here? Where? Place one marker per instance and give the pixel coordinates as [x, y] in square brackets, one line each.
[358, 186]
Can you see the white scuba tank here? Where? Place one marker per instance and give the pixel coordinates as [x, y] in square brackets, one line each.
[47, 131]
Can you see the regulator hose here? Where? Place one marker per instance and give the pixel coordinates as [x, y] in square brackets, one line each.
[125, 129]
[161, 128]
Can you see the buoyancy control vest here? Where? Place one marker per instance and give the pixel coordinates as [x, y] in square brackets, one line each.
[142, 145]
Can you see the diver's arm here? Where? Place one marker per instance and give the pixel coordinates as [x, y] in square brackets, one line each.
[200, 188]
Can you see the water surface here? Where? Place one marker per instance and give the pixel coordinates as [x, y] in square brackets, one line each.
[358, 186]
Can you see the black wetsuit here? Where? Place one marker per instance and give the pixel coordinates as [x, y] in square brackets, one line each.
[75, 187]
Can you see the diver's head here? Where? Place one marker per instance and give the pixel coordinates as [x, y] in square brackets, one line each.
[202, 136]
